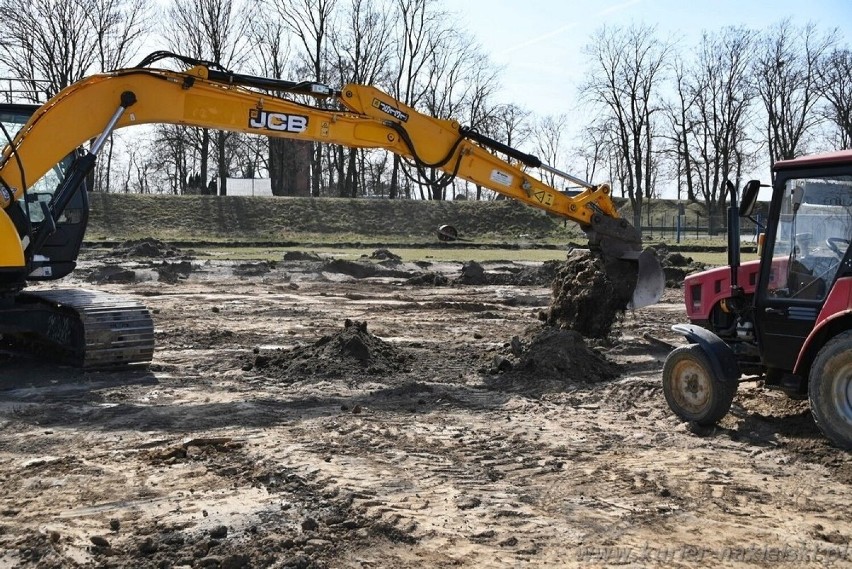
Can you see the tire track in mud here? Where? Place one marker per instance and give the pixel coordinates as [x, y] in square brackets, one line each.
[472, 486]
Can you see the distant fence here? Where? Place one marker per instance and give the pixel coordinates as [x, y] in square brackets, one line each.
[16, 90]
[695, 226]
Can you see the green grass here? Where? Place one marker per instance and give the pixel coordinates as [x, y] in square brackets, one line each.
[350, 228]
[717, 259]
[447, 254]
[412, 254]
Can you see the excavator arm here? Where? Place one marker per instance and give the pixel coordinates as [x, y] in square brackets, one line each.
[355, 116]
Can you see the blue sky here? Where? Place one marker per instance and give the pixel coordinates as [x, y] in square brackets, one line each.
[539, 43]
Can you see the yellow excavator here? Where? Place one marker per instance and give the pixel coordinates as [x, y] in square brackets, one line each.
[42, 225]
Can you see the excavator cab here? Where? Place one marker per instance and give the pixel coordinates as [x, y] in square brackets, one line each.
[57, 255]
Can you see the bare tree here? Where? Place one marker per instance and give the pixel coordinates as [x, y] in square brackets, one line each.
[786, 76]
[592, 150]
[458, 84]
[548, 134]
[217, 31]
[835, 84]
[507, 123]
[624, 83]
[418, 27]
[120, 27]
[680, 112]
[51, 45]
[289, 171]
[512, 123]
[722, 97]
[309, 24]
[362, 49]
[47, 40]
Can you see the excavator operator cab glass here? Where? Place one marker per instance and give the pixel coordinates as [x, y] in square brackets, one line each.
[812, 237]
[13, 117]
[57, 252]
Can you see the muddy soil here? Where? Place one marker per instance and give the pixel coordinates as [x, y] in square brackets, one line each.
[301, 416]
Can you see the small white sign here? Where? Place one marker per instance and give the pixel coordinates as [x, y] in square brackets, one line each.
[502, 178]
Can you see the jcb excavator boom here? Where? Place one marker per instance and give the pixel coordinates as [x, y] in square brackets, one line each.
[361, 116]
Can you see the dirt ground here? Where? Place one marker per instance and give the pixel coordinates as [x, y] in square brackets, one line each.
[318, 413]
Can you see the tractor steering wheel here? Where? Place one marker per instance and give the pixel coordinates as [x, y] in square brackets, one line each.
[834, 244]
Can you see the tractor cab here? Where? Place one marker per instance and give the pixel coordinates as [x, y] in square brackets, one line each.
[806, 252]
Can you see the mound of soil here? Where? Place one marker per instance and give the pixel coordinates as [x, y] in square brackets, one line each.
[147, 247]
[429, 278]
[253, 269]
[353, 349]
[676, 265]
[542, 275]
[563, 354]
[110, 274]
[173, 272]
[362, 269]
[472, 273]
[589, 295]
[300, 256]
[385, 255]
[550, 360]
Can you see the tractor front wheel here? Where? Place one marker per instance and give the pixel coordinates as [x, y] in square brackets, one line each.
[830, 390]
[692, 391]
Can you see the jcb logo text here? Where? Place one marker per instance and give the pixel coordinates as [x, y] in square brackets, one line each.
[280, 122]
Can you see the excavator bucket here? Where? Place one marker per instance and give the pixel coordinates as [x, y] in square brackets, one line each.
[650, 280]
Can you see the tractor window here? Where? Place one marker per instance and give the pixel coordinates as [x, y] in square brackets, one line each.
[812, 237]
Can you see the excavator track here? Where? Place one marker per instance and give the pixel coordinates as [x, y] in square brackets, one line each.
[84, 328]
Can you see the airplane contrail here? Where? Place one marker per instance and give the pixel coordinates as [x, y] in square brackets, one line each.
[566, 27]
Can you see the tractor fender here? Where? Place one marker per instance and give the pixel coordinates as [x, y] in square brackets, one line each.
[720, 355]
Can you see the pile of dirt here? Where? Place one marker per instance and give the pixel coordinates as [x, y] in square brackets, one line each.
[676, 265]
[147, 247]
[254, 269]
[429, 278]
[173, 272]
[348, 351]
[549, 360]
[386, 255]
[363, 269]
[110, 274]
[301, 256]
[589, 294]
[472, 273]
[542, 275]
[563, 354]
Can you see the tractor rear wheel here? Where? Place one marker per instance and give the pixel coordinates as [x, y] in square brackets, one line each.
[830, 390]
[692, 391]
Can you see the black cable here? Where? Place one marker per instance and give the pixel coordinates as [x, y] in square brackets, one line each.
[446, 178]
[403, 134]
[162, 54]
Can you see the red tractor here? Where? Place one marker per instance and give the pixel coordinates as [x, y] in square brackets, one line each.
[785, 318]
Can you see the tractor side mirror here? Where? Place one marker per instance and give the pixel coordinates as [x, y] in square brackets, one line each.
[749, 199]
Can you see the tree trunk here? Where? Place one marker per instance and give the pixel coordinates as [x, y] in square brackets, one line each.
[316, 173]
[223, 165]
[393, 190]
[289, 167]
[205, 156]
